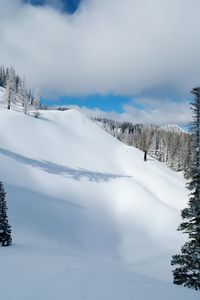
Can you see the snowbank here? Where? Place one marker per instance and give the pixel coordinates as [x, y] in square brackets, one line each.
[87, 213]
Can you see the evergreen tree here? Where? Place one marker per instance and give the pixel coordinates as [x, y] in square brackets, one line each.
[188, 271]
[2, 77]
[5, 229]
[36, 102]
[10, 94]
[23, 95]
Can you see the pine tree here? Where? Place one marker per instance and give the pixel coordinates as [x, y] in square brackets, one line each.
[2, 77]
[36, 102]
[188, 271]
[23, 95]
[5, 228]
[10, 94]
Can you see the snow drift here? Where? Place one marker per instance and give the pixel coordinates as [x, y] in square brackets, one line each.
[91, 220]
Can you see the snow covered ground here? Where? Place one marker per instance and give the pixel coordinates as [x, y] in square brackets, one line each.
[91, 220]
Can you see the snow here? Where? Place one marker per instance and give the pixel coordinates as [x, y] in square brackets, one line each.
[91, 220]
[173, 128]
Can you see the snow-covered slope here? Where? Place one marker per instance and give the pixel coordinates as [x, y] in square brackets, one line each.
[88, 214]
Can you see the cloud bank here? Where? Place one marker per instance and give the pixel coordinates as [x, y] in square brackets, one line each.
[108, 46]
[152, 112]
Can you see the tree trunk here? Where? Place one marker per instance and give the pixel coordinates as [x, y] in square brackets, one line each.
[145, 155]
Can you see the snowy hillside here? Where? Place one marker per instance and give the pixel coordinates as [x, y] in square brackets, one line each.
[91, 220]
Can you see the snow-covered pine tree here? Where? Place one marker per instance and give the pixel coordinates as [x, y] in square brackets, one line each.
[23, 95]
[5, 228]
[2, 77]
[187, 272]
[10, 93]
[36, 102]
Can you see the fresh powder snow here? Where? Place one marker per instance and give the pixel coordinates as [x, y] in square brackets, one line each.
[90, 219]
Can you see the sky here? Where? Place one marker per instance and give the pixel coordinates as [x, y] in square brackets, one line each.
[131, 60]
[68, 6]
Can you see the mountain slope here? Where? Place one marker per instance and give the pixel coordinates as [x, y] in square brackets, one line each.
[80, 202]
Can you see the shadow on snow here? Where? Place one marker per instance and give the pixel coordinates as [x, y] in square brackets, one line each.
[65, 171]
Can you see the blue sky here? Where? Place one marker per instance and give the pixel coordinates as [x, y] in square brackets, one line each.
[106, 103]
[69, 6]
[128, 60]
[116, 103]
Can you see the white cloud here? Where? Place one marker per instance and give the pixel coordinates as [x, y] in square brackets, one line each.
[154, 111]
[114, 46]
[159, 112]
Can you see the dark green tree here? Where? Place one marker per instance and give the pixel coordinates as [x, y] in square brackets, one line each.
[2, 77]
[5, 228]
[187, 272]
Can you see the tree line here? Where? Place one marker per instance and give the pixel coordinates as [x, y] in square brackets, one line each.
[17, 94]
[168, 144]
